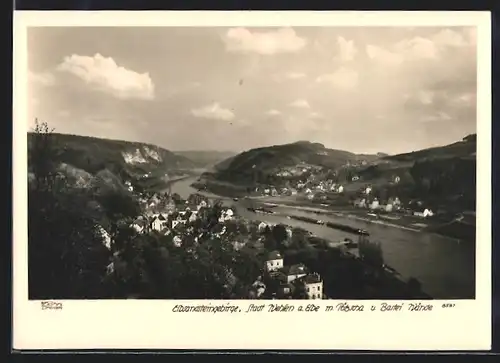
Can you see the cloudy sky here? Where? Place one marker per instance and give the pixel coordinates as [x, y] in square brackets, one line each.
[359, 89]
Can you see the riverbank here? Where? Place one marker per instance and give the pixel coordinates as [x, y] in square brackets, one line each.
[406, 223]
[445, 267]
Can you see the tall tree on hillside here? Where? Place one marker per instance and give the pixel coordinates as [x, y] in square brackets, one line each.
[43, 156]
[66, 255]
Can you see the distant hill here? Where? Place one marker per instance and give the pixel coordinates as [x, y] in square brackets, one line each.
[269, 160]
[83, 156]
[465, 148]
[204, 158]
[444, 175]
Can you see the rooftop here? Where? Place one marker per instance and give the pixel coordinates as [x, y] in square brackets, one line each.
[311, 279]
[274, 255]
[295, 269]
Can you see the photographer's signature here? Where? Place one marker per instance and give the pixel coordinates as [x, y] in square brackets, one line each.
[51, 305]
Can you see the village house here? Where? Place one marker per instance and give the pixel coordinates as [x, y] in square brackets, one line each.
[274, 192]
[202, 204]
[274, 261]
[313, 285]
[140, 224]
[193, 216]
[237, 245]
[129, 186]
[294, 272]
[267, 191]
[374, 204]
[367, 190]
[177, 241]
[106, 238]
[259, 288]
[293, 191]
[170, 206]
[226, 215]
[262, 226]
[159, 222]
[388, 207]
[424, 214]
[360, 203]
[396, 179]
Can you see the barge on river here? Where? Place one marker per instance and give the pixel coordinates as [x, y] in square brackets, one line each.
[340, 227]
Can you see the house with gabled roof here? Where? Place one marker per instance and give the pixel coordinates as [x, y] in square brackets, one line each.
[274, 261]
[159, 222]
[294, 272]
[312, 285]
[140, 224]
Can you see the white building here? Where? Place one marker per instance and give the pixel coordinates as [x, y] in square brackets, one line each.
[388, 208]
[159, 223]
[426, 213]
[313, 286]
[340, 189]
[375, 204]
[274, 261]
[193, 216]
[368, 190]
[262, 226]
[177, 241]
[202, 204]
[226, 215]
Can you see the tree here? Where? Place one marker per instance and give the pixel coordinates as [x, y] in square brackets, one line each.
[66, 255]
[280, 235]
[176, 198]
[43, 156]
[371, 252]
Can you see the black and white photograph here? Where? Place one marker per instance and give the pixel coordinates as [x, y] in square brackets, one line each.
[252, 163]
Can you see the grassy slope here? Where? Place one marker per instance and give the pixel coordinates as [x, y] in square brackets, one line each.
[269, 159]
[94, 155]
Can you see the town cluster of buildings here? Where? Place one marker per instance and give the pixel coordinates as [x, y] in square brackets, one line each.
[286, 281]
[163, 215]
[368, 201]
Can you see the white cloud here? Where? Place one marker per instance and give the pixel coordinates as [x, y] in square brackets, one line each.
[417, 47]
[425, 97]
[315, 115]
[451, 38]
[104, 74]
[429, 48]
[465, 99]
[300, 104]
[42, 78]
[440, 116]
[283, 40]
[289, 76]
[273, 113]
[293, 75]
[214, 111]
[347, 49]
[383, 56]
[343, 78]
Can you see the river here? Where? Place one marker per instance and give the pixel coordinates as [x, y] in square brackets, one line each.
[445, 267]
